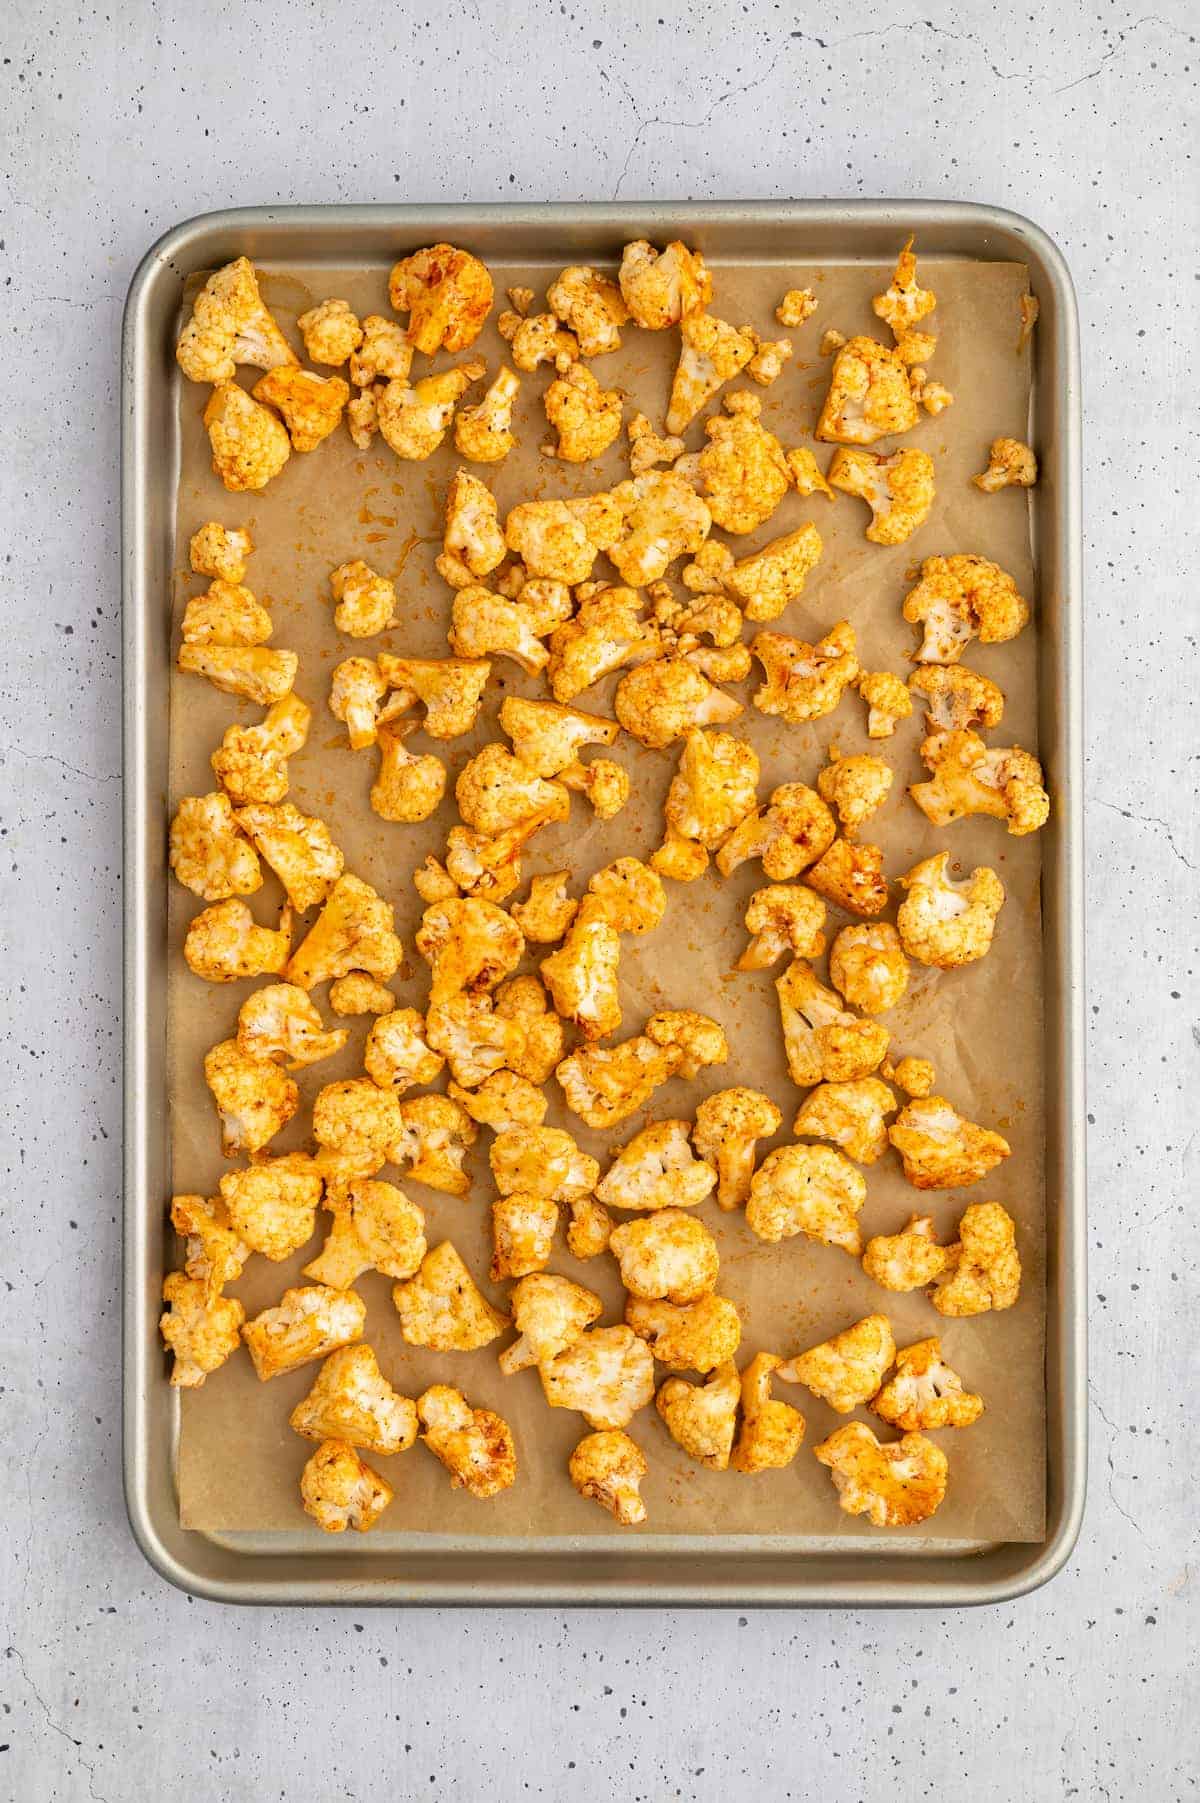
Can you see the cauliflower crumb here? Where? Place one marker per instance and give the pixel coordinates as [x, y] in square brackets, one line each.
[220, 551]
[442, 1308]
[251, 762]
[804, 682]
[230, 324]
[982, 1270]
[852, 1115]
[280, 1021]
[362, 417]
[591, 307]
[670, 1254]
[660, 288]
[353, 932]
[868, 968]
[772, 1433]
[847, 1370]
[898, 489]
[789, 834]
[352, 1400]
[305, 1324]
[851, 875]
[925, 1392]
[935, 397]
[767, 363]
[224, 944]
[1011, 464]
[887, 699]
[728, 1126]
[945, 923]
[701, 1417]
[969, 777]
[647, 448]
[797, 305]
[811, 1190]
[698, 1336]
[586, 417]
[607, 1374]
[207, 852]
[869, 396]
[939, 1149]
[331, 332]
[375, 1228]
[311, 405]
[711, 353]
[607, 1468]
[550, 1314]
[958, 599]
[895, 1485]
[475, 1445]
[447, 294]
[831, 340]
[908, 1260]
[199, 1328]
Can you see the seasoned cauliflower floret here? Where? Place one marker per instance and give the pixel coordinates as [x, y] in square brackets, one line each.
[547, 737]
[560, 539]
[542, 1161]
[249, 443]
[662, 287]
[496, 791]
[797, 305]
[933, 396]
[851, 876]
[869, 396]
[663, 700]
[395, 1054]
[647, 448]
[607, 1468]
[311, 405]
[712, 792]
[468, 944]
[663, 518]
[306, 1324]
[603, 781]
[767, 363]
[915, 1076]
[537, 340]
[824, 1043]
[330, 331]
[831, 340]
[483, 433]
[375, 1228]
[956, 697]
[251, 762]
[220, 551]
[384, 355]
[550, 1314]
[356, 1123]
[298, 849]
[591, 307]
[908, 1260]
[905, 303]
[742, 471]
[447, 294]
[524, 1002]
[1011, 464]
[504, 1100]
[769, 580]
[590, 1227]
[628, 894]
[607, 632]
[789, 834]
[711, 353]
[851, 1115]
[868, 967]
[472, 542]
[887, 699]
[230, 324]
[475, 1445]
[352, 1400]
[701, 1417]
[607, 1374]
[969, 777]
[698, 1336]
[945, 923]
[810, 1190]
[925, 1392]
[362, 417]
[701, 1040]
[772, 1432]
[358, 993]
[895, 1485]
[801, 681]
[414, 420]
[846, 1371]
[339, 1490]
[670, 1254]
[961, 598]
[201, 1329]
[547, 912]
[522, 1235]
[982, 1269]
[586, 417]
[353, 932]
[250, 671]
[408, 787]
[224, 943]
[443, 1309]
[449, 688]
[366, 602]
[898, 489]
[604, 1085]
[226, 614]
[475, 1040]
[856, 787]
[433, 1139]
[728, 1126]
[272, 1205]
[784, 917]
[939, 1149]
[280, 1021]
[582, 975]
[215, 1254]
[208, 854]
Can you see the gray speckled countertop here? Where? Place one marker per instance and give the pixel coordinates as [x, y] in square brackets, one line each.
[115, 123]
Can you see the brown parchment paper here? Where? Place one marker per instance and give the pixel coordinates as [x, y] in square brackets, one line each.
[239, 1462]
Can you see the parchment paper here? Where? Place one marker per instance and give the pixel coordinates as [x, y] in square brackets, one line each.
[239, 1461]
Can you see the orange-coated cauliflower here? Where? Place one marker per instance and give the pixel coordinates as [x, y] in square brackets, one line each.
[230, 324]
[905, 304]
[847, 1370]
[701, 1417]
[670, 1254]
[589, 1229]
[395, 1054]
[604, 1085]
[547, 737]
[560, 539]
[450, 689]
[586, 417]
[433, 1139]
[208, 854]
[447, 294]
[665, 699]
[823, 1042]
[647, 448]
[603, 781]
[281, 1022]
[249, 444]
[384, 355]
[201, 1329]
[591, 307]
[251, 762]
[331, 332]
[710, 794]
[1011, 464]
[414, 420]
[473, 1038]
[550, 1314]
[496, 791]
[982, 1269]
[472, 542]
[627, 894]
[662, 519]
[503, 1101]
[537, 340]
[360, 994]
[742, 472]
[769, 580]
[483, 433]
[961, 598]
[523, 1229]
[810, 1190]
[272, 1205]
[728, 1126]
[898, 489]
[915, 1076]
[660, 288]
[908, 1260]
[851, 1115]
[311, 405]
[868, 967]
[802, 681]
[306, 1324]
[607, 632]
[220, 551]
[939, 1149]
[226, 614]
[375, 1228]
[339, 1490]
[408, 788]
[607, 1374]
[523, 1002]
[215, 1252]
[945, 923]
[607, 1468]
[887, 699]
[362, 417]
[698, 1336]
[856, 787]
[252, 672]
[582, 975]
[475, 1445]
[797, 305]
[956, 697]
[789, 834]
[469, 945]
[851, 876]
[767, 363]
[542, 1161]
[443, 1309]
[711, 353]
[895, 1485]
[356, 1124]
[969, 777]
[701, 1041]
[784, 917]
[352, 932]
[223, 944]
[771, 1432]
[352, 1400]
[925, 1392]
[298, 849]
[869, 396]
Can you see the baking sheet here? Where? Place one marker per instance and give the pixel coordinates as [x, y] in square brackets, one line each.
[239, 1462]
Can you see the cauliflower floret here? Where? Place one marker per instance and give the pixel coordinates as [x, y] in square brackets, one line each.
[908, 1260]
[1011, 464]
[230, 324]
[603, 781]
[582, 975]
[224, 944]
[208, 854]
[711, 353]
[591, 307]
[298, 849]
[272, 1205]
[408, 788]
[375, 1228]
[362, 417]
[810, 1190]
[589, 1229]
[352, 1400]
[384, 354]
[847, 1370]
[805, 473]
[311, 405]
[504, 1100]
[475, 1445]
[560, 539]
[898, 489]
[366, 601]
[710, 794]
[956, 697]
[852, 1115]
[789, 834]
[869, 395]
[785, 917]
[432, 1140]
[360, 994]
[831, 340]
[969, 777]
[670, 1254]
[523, 1001]
[604, 1085]
[797, 305]
[701, 1041]
[281, 1022]
[607, 1374]
[550, 1314]
[940, 1149]
[447, 294]
[945, 923]
[468, 944]
[772, 1432]
[728, 1126]
[666, 699]
[868, 967]
[547, 737]
[662, 287]
[249, 443]
[960, 598]
[497, 791]
[742, 471]
[982, 1269]
[220, 551]
[805, 682]
[905, 303]
[851, 876]
[887, 699]
[772, 578]
[306, 1324]
[586, 417]
[547, 912]
[925, 1392]
[895, 1485]
[698, 1336]
[537, 340]
[443, 1309]
[356, 1122]
[474, 1039]
[339, 1490]
[608, 1467]
[215, 1253]
[767, 363]
[656, 1169]
[414, 420]
[856, 787]
[201, 1329]
[542, 1161]
[331, 332]
[250, 671]
[627, 894]
[353, 932]
[933, 396]
[472, 542]
[701, 1417]
[647, 448]
[226, 614]
[522, 1235]
[483, 433]
[395, 1054]
[449, 688]
[251, 762]
[915, 1076]
[663, 519]
[823, 1042]
[608, 631]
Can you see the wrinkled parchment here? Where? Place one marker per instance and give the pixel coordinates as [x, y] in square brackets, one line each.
[239, 1461]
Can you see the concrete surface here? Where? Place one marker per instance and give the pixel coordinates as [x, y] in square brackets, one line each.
[117, 122]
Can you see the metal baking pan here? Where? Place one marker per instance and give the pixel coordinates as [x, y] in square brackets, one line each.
[302, 1567]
